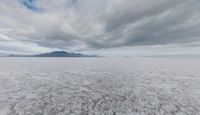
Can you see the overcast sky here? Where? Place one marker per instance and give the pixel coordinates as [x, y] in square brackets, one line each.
[104, 27]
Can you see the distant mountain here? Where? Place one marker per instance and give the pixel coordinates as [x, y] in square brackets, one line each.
[63, 54]
[56, 54]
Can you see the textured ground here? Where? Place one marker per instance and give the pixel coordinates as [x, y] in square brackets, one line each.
[99, 86]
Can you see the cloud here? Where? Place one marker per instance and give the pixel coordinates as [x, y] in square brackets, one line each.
[10, 45]
[150, 23]
[93, 25]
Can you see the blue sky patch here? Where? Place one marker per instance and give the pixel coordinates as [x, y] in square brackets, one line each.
[30, 4]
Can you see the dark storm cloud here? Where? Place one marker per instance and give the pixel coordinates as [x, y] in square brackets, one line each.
[151, 23]
[98, 24]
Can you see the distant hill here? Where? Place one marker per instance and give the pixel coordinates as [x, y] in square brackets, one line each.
[56, 54]
[63, 54]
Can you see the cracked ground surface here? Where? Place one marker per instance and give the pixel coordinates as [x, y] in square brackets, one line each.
[99, 86]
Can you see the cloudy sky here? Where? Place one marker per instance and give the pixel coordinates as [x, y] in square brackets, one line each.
[104, 27]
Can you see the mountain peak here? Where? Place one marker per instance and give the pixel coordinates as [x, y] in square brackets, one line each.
[63, 54]
[59, 52]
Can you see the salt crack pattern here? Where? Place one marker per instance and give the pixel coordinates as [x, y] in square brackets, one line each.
[99, 86]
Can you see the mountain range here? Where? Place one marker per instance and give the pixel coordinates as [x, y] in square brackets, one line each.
[55, 54]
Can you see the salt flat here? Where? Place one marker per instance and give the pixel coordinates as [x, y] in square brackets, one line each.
[99, 86]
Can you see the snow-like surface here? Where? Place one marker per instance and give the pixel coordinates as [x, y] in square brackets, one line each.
[99, 86]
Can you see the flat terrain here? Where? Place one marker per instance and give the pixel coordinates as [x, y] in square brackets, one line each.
[99, 86]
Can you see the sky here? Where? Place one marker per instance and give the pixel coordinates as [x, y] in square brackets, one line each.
[103, 27]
